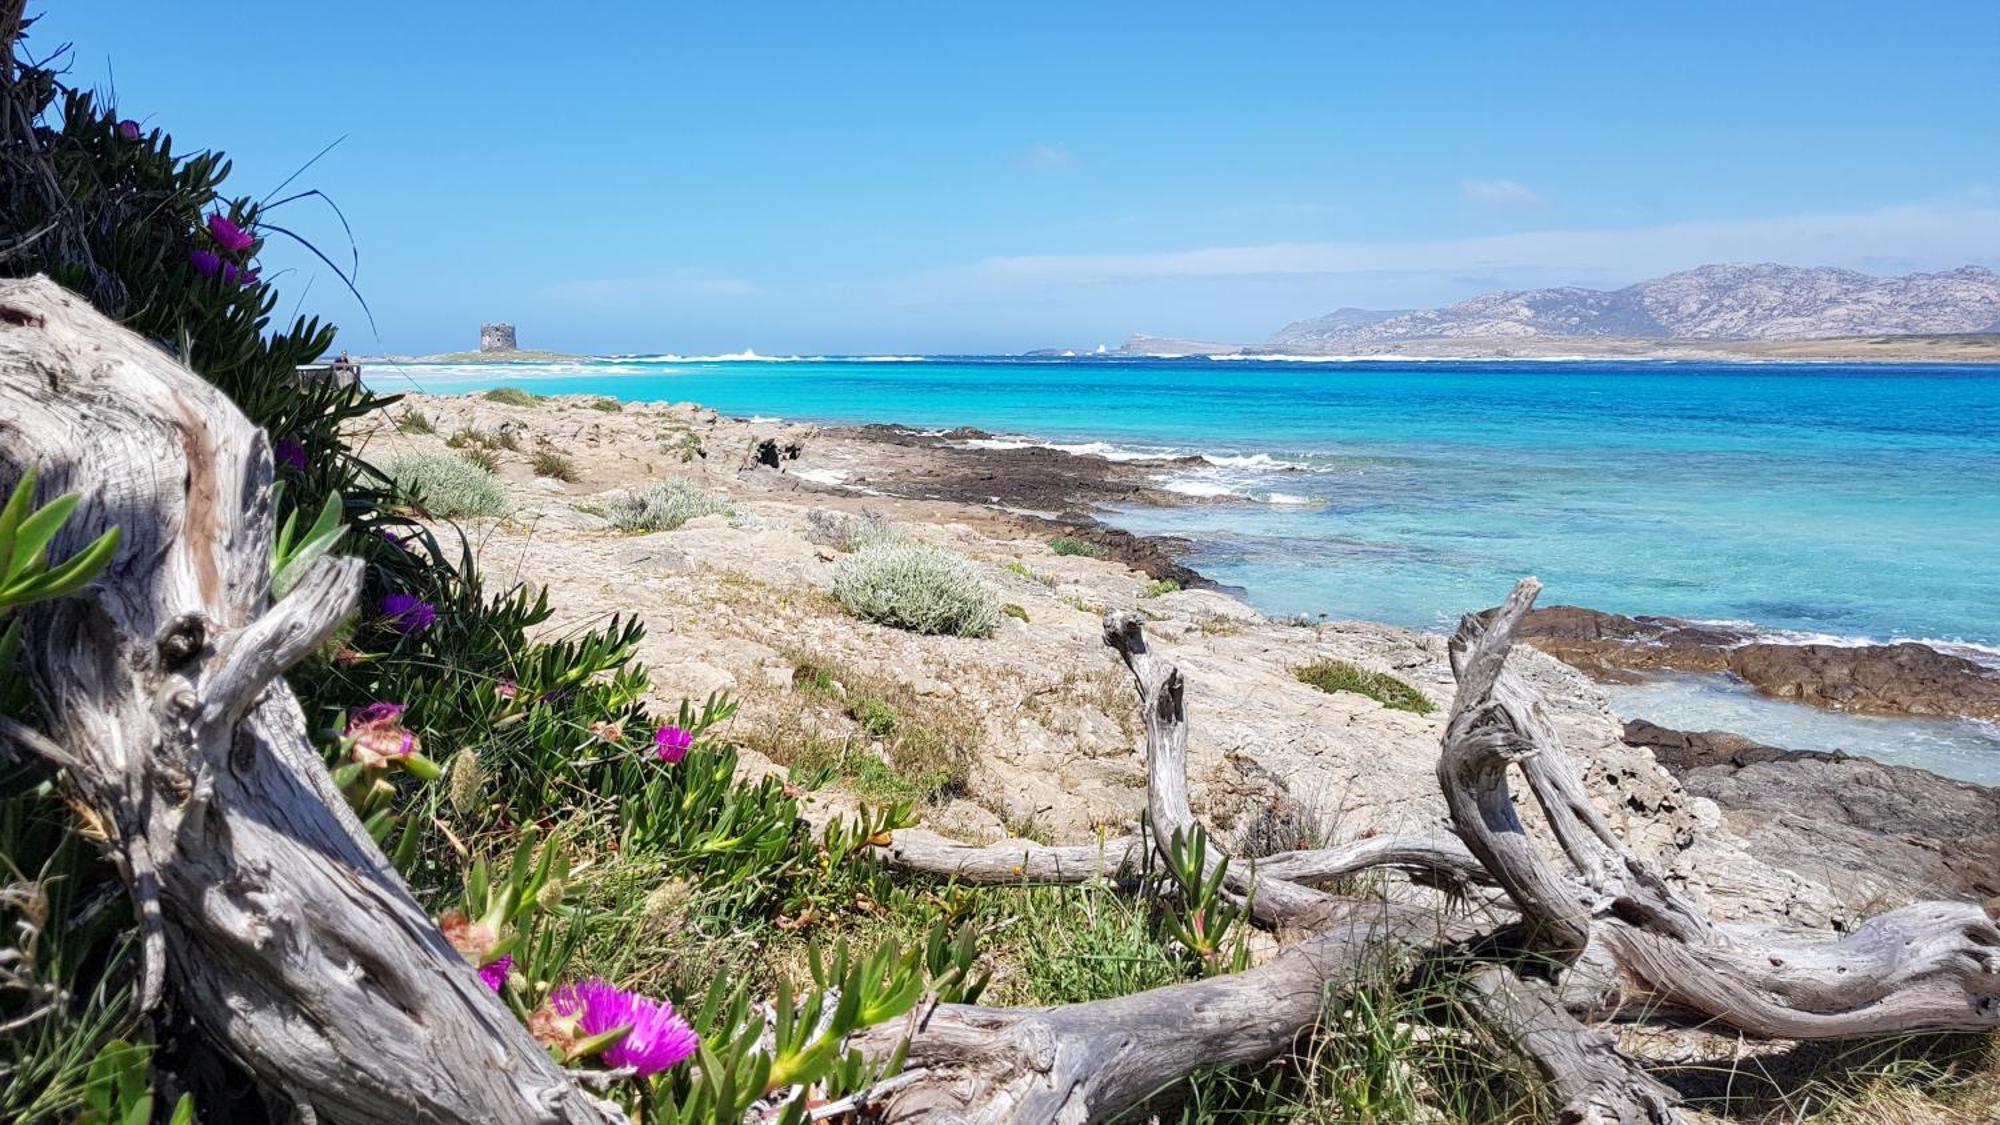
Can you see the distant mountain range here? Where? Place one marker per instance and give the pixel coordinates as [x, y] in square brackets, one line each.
[1709, 308]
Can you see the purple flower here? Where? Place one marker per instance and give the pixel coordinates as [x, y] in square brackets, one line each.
[376, 735]
[495, 975]
[671, 744]
[659, 1037]
[128, 129]
[205, 262]
[232, 238]
[289, 452]
[408, 613]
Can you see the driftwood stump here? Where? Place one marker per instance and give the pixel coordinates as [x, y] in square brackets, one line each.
[266, 910]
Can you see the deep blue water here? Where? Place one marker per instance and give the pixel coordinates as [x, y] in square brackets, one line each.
[1859, 501]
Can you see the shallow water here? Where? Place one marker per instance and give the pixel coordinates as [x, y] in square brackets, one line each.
[1817, 499]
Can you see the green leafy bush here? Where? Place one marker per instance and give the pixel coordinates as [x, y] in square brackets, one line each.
[511, 396]
[664, 506]
[1070, 545]
[447, 487]
[608, 405]
[1331, 675]
[915, 587]
[1163, 586]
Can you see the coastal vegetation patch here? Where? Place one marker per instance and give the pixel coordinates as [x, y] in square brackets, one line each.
[915, 587]
[607, 405]
[512, 396]
[664, 506]
[553, 464]
[414, 422]
[1071, 545]
[1332, 676]
[447, 487]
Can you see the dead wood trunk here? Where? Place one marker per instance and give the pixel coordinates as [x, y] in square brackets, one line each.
[280, 927]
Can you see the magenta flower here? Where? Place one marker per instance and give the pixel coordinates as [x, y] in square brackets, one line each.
[508, 689]
[289, 452]
[232, 238]
[128, 129]
[659, 1038]
[671, 744]
[376, 735]
[408, 613]
[205, 262]
[495, 975]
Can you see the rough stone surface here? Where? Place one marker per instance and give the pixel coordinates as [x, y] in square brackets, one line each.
[733, 601]
[1908, 678]
[1880, 835]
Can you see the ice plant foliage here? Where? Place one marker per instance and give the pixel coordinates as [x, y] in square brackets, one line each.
[671, 744]
[407, 613]
[658, 1040]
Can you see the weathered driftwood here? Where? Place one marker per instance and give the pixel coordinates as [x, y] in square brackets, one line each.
[280, 927]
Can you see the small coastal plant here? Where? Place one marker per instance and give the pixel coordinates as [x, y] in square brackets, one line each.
[1331, 676]
[447, 487]
[1071, 545]
[414, 422]
[512, 396]
[915, 587]
[607, 405]
[552, 464]
[664, 506]
[1163, 586]
[485, 459]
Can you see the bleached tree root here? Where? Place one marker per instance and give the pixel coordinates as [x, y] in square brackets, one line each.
[277, 924]
[1592, 1083]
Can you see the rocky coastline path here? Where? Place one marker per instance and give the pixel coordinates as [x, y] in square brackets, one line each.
[1042, 719]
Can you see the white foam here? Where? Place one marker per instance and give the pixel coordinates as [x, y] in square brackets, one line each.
[1250, 461]
[1202, 488]
[1288, 498]
[1102, 449]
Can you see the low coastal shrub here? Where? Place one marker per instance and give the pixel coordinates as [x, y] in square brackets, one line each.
[485, 459]
[1071, 545]
[512, 396]
[915, 587]
[1016, 612]
[664, 506]
[1163, 586]
[414, 422]
[1331, 676]
[608, 405]
[549, 463]
[844, 531]
[447, 487]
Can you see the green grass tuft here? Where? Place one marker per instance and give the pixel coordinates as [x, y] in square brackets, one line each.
[1163, 586]
[549, 463]
[1338, 675]
[512, 396]
[414, 422]
[1071, 545]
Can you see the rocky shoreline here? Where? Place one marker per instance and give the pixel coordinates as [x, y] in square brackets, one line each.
[1041, 710]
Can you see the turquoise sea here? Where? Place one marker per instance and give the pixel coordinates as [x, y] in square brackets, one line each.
[1852, 502]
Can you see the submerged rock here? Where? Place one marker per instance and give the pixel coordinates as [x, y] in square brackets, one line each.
[1899, 679]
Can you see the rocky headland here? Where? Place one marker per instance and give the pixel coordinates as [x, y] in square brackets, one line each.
[1041, 712]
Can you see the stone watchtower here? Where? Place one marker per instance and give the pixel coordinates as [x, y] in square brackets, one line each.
[497, 338]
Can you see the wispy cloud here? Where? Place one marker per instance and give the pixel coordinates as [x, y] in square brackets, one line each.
[1911, 236]
[667, 285]
[1503, 195]
[1048, 156]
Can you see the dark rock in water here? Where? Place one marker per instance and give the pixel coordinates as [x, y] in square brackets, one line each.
[1877, 833]
[1901, 679]
[1907, 678]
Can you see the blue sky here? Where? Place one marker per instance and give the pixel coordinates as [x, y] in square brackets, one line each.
[862, 178]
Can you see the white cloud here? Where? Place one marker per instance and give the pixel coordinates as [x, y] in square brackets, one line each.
[1889, 239]
[1501, 194]
[1048, 156]
[668, 285]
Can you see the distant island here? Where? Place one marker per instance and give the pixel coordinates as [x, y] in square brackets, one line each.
[1763, 311]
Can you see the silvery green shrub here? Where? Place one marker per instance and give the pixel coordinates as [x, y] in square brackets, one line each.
[914, 587]
[663, 506]
[447, 486]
